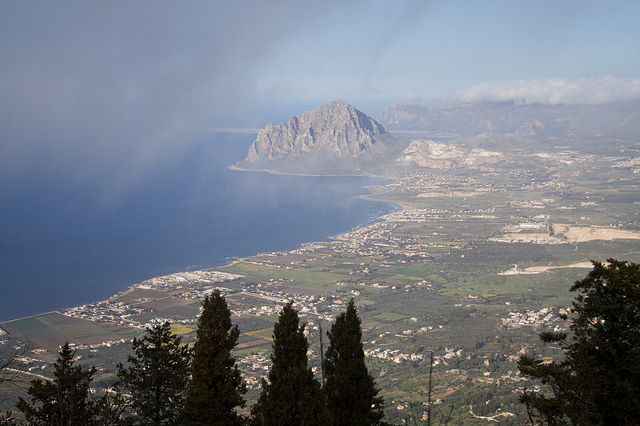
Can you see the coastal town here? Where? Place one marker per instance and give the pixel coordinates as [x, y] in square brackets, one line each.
[320, 213]
[459, 280]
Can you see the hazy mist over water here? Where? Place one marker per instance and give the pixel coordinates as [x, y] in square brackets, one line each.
[107, 177]
[66, 246]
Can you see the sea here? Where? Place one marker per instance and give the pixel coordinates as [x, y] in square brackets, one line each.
[63, 246]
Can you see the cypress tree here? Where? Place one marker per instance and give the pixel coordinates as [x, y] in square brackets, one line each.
[350, 390]
[156, 378]
[291, 396]
[216, 387]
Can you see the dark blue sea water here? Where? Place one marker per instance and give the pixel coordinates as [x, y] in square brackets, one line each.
[62, 247]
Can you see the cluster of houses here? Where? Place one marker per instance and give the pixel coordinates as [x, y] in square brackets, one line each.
[392, 355]
[532, 318]
[170, 282]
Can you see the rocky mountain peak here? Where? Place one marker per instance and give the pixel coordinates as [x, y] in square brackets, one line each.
[333, 137]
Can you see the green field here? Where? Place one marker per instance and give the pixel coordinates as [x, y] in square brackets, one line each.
[32, 328]
[52, 329]
[390, 317]
[457, 313]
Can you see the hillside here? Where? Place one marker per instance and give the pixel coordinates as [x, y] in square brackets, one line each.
[336, 138]
[461, 120]
[333, 139]
[492, 232]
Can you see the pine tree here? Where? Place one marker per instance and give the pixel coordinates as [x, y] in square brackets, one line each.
[63, 401]
[291, 396]
[349, 389]
[598, 381]
[216, 388]
[156, 377]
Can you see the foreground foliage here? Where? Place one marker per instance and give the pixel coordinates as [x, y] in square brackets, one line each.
[162, 385]
[291, 396]
[349, 389]
[216, 388]
[156, 377]
[598, 382]
[65, 400]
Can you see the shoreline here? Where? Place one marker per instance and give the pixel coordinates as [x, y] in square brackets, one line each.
[233, 260]
[237, 168]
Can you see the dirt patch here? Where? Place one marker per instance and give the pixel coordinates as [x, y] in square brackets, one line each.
[50, 342]
[576, 234]
[536, 269]
[569, 234]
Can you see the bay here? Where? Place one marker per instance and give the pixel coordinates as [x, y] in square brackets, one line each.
[63, 247]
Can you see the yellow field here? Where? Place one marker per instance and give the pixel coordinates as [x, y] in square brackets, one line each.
[181, 329]
[265, 333]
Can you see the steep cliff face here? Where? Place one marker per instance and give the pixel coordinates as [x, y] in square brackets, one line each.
[332, 138]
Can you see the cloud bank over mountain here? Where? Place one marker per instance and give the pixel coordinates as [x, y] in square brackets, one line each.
[555, 91]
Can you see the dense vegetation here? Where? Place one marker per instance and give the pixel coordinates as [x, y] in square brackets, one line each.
[595, 381]
[349, 389]
[166, 383]
[156, 378]
[216, 387]
[598, 381]
[291, 396]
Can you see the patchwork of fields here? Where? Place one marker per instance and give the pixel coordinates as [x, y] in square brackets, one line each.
[53, 329]
[470, 276]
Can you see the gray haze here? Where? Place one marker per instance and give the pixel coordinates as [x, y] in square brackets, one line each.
[100, 93]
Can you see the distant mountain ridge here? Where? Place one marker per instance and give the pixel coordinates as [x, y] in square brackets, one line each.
[338, 139]
[334, 138]
[461, 120]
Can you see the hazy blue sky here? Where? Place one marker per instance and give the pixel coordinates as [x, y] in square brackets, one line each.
[94, 90]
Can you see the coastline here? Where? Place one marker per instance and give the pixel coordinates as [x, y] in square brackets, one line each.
[237, 168]
[234, 260]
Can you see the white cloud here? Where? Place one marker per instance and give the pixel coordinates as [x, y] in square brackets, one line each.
[555, 91]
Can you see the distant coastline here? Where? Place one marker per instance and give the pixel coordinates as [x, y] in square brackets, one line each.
[322, 223]
[235, 167]
[230, 261]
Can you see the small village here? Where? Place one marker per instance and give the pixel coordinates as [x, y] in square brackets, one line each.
[416, 253]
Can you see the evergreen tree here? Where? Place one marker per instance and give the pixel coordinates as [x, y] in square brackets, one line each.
[110, 409]
[64, 400]
[156, 377]
[216, 388]
[349, 389]
[598, 382]
[291, 396]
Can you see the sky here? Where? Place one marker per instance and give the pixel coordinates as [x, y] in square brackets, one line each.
[104, 91]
